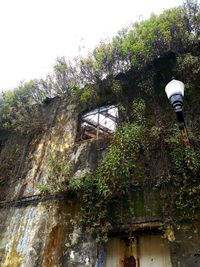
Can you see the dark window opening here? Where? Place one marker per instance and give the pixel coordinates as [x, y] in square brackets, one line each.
[98, 123]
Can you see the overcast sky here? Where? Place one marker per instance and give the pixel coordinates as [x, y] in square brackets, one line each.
[35, 32]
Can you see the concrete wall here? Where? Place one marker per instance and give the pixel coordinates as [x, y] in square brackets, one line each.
[46, 231]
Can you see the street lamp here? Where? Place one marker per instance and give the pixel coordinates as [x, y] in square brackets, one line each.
[175, 93]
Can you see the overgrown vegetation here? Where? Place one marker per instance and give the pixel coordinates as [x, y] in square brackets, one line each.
[175, 30]
[185, 176]
[20, 109]
[115, 193]
[111, 180]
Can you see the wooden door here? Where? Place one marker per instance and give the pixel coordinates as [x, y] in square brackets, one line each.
[120, 254]
[153, 251]
[145, 251]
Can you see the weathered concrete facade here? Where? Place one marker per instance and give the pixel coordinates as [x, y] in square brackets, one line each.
[41, 232]
[45, 231]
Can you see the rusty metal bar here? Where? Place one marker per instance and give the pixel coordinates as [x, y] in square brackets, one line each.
[29, 200]
[184, 135]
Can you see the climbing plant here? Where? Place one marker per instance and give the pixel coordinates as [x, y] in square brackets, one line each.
[104, 193]
[111, 181]
[185, 172]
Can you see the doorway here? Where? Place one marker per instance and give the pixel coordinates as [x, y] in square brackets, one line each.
[146, 250]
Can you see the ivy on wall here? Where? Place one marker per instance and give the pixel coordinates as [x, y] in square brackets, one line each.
[103, 190]
[128, 168]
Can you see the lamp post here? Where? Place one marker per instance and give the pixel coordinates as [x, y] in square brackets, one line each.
[175, 93]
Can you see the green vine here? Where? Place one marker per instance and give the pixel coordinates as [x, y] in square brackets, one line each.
[116, 190]
[101, 192]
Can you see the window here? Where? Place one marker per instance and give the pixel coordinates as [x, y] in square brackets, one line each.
[98, 123]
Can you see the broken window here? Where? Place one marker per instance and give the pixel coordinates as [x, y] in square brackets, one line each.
[98, 123]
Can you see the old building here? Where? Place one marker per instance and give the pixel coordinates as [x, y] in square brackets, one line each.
[100, 176]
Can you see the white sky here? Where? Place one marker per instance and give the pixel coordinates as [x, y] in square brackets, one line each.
[33, 33]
